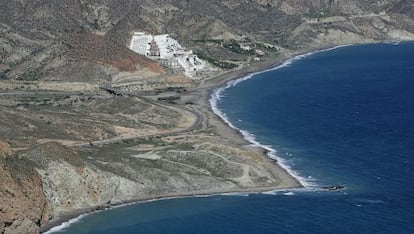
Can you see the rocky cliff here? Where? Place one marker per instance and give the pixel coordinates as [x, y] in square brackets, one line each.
[23, 204]
[50, 181]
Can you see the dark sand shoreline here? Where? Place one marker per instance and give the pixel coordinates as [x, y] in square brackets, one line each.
[76, 214]
[201, 95]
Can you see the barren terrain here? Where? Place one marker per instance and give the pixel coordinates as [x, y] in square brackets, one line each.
[86, 123]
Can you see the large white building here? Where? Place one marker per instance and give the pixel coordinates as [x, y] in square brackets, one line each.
[167, 51]
[141, 43]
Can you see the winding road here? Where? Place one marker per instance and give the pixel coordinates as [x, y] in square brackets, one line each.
[195, 125]
[181, 109]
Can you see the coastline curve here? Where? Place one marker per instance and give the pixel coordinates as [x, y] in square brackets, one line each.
[309, 183]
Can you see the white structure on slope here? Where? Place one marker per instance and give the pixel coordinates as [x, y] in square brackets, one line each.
[141, 43]
[167, 51]
[168, 46]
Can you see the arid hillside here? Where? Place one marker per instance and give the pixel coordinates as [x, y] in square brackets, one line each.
[80, 40]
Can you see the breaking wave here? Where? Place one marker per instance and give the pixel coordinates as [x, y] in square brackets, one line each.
[66, 224]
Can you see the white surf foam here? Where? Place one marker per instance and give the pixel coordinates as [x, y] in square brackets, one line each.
[65, 225]
[217, 94]
[270, 193]
[394, 42]
[236, 194]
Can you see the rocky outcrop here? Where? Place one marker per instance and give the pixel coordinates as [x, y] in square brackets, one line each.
[71, 182]
[50, 181]
[5, 149]
[23, 206]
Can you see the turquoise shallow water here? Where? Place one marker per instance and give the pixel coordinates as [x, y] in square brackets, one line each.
[344, 116]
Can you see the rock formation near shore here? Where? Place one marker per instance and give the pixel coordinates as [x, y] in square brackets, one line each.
[50, 181]
[23, 205]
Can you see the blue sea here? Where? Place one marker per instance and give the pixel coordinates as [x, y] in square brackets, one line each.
[338, 117]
